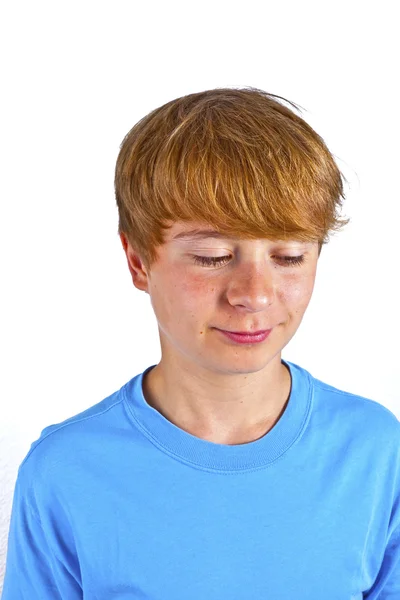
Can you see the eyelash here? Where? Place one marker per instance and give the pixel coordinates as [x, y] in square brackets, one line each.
[209, 261]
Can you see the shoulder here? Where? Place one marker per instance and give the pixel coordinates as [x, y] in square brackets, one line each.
[356, 401]
[367, 416]
[347, 411]
[61, 444]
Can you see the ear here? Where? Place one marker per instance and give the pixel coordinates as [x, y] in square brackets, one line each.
[135, 265]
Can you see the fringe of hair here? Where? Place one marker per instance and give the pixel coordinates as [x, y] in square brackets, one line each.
[234, 158]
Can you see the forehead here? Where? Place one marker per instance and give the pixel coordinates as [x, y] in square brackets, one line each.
[201, 234]
[195, 231]
[192, 232]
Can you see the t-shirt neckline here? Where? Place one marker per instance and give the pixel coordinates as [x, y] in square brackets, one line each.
[200, 453]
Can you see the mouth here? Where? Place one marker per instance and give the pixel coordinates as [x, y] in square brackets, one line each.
[245, 337]
[245, 332]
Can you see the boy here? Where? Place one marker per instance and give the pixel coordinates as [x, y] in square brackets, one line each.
[224, 471]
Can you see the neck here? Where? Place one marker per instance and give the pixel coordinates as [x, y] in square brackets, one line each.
[230, 410]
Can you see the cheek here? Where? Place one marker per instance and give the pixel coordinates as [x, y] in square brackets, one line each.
[296, 292]
[181, 297]
[195, 292]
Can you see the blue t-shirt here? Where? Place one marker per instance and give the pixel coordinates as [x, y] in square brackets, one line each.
[118, 502]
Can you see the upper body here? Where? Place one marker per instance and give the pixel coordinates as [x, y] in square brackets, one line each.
[222, 471]
[118, 502]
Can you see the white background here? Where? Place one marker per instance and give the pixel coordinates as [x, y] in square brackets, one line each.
[76, 76]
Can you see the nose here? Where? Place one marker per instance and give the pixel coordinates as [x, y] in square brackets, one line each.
[253, 286]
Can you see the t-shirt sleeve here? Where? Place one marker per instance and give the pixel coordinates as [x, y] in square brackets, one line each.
[387, 584]
[34, 569]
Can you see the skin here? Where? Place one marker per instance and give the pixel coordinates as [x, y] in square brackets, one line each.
[206, 384]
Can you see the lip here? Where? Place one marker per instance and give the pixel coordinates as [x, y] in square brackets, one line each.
[245, 332]
[245, 338]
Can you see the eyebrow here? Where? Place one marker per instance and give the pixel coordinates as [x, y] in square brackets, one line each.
[195, 234]
[198, 234]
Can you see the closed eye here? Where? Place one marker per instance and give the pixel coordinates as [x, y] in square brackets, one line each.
[208, 261]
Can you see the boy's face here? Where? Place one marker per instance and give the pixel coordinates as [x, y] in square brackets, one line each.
[254, 288]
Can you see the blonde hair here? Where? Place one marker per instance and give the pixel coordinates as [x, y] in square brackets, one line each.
[236, 159]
